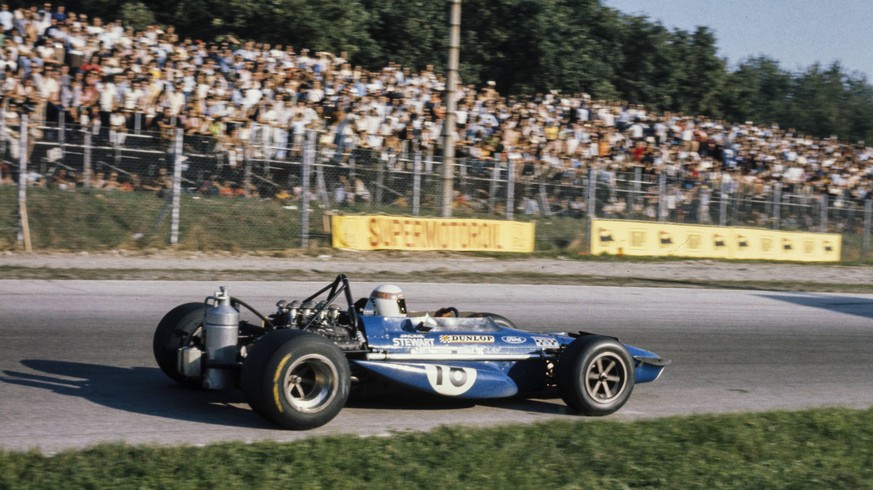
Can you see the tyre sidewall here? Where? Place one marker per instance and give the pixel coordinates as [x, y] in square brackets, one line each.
[265, 369]
[572, 370]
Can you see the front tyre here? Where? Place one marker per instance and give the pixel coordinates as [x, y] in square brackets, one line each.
[595, 375]
[181, 327]
[296, 379]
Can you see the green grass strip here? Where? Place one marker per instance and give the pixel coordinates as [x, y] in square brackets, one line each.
[821, 448]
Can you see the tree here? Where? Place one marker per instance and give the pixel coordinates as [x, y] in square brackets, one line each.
[137, 15]
[758, 90]
[646, 71]
[700, 72]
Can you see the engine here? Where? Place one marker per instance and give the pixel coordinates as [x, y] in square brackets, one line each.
[328, 320]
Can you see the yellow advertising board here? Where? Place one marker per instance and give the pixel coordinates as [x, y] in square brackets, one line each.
[378, 232]
[614, 237]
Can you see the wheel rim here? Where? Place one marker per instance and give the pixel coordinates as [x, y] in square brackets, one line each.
[606, 378]
[310, 383]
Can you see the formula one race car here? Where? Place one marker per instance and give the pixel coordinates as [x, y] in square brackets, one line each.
[298, 365]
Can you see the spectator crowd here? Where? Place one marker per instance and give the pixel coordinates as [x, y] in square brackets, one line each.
[114, 79]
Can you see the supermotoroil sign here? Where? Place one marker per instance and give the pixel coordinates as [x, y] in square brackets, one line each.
[413, 233]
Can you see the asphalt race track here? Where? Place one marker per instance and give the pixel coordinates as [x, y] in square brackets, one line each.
[76, 366]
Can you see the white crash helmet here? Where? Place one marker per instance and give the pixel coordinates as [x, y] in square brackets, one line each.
[386, 300]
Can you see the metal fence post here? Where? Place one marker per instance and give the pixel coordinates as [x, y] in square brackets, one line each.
[62, 132]
[632, 198]
[177, 188]
[704, 214]
[722, 204]
[380, 182]
[87, 171]
[304, 198]
[318, 162]
[24, 232]
[868, 217]
[777, 205]
[247, 171]
[823, 224]
[544, 199]
[428, 162]
[592, 194]
[3, 129]
[116, 151]
[662, 196]
[353, 163]
[462, 174]
[510, 189]
[416, 182]
[492, 188]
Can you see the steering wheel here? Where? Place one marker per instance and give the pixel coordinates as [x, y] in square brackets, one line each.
[447, 312]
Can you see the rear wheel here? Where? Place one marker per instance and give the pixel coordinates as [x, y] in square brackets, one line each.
[182, 326]
[595, 375]
[296, 379]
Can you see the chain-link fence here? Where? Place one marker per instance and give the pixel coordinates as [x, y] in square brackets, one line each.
[254, 186]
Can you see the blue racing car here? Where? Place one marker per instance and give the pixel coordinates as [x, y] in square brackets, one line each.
[298, 365]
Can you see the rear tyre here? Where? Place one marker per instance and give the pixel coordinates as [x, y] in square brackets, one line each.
[296, 379]
[181, 327]
[595, 375]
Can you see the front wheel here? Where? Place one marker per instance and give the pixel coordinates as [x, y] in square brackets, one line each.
[595, 375]
[296, 379]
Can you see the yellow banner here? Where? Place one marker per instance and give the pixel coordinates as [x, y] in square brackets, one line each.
[411, 233]
[614, 237]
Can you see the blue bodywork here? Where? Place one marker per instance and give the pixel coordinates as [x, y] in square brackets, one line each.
[471, 357]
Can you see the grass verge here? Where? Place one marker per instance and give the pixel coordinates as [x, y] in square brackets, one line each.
[97, 220]
[821, 448]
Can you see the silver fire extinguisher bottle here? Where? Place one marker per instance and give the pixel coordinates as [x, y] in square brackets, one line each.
[222, 334]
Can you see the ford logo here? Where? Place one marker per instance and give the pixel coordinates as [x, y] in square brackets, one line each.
[514, 340]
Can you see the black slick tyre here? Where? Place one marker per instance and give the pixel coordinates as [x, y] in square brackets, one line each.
[595, 375]
[181, 327]
[296, 379]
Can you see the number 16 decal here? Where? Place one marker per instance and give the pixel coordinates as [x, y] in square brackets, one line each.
[450, 380]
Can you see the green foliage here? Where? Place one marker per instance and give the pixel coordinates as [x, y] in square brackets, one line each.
[98, 220]
[824, 448]
[412, 33]
[758, 90]
[89, 220]
[137, 15]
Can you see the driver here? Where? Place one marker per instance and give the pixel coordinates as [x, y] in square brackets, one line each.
[386, 300]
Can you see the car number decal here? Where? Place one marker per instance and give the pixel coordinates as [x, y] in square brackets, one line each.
[450, 380]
